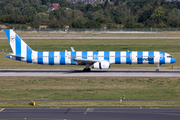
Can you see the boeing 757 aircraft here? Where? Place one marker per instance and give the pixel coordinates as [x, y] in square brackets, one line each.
[96, 59]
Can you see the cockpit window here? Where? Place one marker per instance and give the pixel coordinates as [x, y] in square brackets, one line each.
[169, 56]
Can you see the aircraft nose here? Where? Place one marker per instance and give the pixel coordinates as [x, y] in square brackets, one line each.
[173, 60]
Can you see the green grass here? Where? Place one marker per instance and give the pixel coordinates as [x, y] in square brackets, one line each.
[170, 46]
[88, 88]
[94, 104]
[80, 34]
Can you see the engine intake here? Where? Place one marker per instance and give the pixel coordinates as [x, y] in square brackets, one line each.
[101, 65]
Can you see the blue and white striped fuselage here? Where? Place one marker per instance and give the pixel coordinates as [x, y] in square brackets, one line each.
[113, 57]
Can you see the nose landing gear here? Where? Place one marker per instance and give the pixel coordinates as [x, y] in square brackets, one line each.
[157, 70]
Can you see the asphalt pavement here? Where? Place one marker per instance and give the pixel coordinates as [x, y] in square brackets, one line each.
[93, 73]
[105, 113]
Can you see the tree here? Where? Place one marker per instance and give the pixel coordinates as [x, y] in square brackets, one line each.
[116, 3]
[130, 23]
[45, 2]
[77, 23]
[100, 19]
[53, 25]
[29, 11]
[173, 18]
[158, 15]
[118, 20]
[106, 4]
[36, 21]
[89, 7]
[89, 15]
[92, 24]
[145, 15]
[42, 8]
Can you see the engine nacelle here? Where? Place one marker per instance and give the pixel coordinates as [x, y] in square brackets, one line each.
[101, 65]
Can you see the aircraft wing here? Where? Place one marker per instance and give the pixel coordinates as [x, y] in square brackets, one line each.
[81, 61]
[84, 61]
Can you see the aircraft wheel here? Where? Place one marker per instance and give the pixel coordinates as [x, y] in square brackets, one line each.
[157, 70]
[86, 70]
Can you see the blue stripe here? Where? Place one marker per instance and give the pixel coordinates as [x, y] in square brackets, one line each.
[95, 54]
[29, 54]
[84, 55]
[106, 55]
[40, 58]
[51, 58]
[62, 58]
[73, 55]
[162, 58]
[139, 57]
[8, 34]
[18, 47]
[151, 57]
[128, 58]
[117, 57]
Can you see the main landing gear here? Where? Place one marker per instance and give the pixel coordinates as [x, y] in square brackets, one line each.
[157, 70]
[87, 69]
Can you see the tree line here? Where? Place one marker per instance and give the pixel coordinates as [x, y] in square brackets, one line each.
[113, 14]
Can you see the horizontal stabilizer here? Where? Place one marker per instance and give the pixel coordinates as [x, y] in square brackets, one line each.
[15, 56]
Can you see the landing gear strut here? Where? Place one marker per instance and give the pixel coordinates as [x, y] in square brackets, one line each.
[157, 70]
[87, 69]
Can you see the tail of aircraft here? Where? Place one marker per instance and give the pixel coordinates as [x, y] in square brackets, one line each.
[19, 47]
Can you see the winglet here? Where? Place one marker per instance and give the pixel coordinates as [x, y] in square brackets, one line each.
[72, 49]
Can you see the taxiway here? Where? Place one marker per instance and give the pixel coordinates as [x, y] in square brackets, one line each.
[58, 113]
[93, 73]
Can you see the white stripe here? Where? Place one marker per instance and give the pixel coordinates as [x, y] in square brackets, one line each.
[45, 58]
[12, 43]
[156, 57]
[123, 57]
[56, 58]
[90, 55]
[79, 54]
[101, 55]
[167, 60]
[145, 55]
[34, 57]
[67, 60]
[23, 50]
[112, 57]
[134, 57]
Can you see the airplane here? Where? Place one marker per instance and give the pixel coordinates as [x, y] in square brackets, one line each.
[96, 59]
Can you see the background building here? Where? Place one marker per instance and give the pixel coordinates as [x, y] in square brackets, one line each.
[54, 6]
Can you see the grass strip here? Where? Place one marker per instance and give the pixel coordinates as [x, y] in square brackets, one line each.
[82, 34]
[89, 88]
[94, 104]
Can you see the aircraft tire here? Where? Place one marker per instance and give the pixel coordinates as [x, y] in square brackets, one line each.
[157, 70]
[86, 70]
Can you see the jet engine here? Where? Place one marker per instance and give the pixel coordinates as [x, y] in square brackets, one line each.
[101, 65]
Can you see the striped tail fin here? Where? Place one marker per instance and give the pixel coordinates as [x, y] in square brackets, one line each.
[18, 46]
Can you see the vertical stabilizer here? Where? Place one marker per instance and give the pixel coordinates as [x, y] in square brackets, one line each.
[18, 46]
